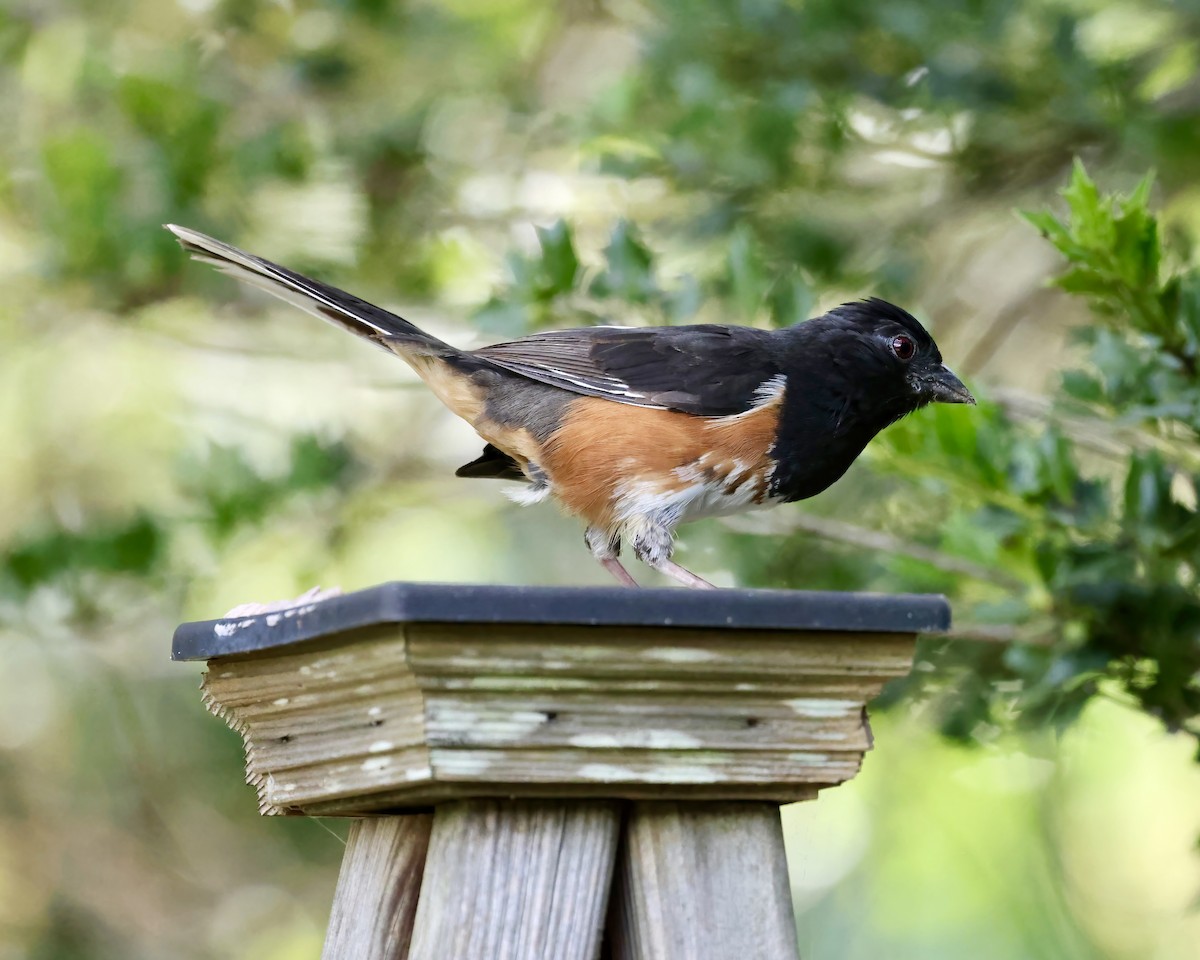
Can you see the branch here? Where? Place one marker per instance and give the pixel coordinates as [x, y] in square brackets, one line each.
[842, 532]
[1096, 433]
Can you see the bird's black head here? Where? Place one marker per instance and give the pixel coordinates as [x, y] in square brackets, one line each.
[850, 373]
[887, 364]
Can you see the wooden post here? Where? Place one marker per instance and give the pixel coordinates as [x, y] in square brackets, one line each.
[535, 722]
[517, 880]
[703, 881]
[376, 897]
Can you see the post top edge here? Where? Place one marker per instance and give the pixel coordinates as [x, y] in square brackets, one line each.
[466, 603]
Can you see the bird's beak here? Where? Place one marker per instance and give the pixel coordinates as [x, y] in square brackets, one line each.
[942, 386]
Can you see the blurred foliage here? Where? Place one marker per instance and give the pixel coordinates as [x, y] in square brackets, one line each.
[1108, 545]
[1122, 566]
[175, 444]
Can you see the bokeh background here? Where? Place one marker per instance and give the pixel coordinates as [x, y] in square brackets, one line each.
[172, 445]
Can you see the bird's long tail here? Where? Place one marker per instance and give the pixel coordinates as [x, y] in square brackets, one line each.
[385, 329]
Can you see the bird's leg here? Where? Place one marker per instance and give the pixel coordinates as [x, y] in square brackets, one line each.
[683, 575]
[606, 548]
[617, 569]
[653, 544]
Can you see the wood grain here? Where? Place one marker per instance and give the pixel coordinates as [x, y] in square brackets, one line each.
[400, 717]
[702, 881]
[377, 889]
[516, 880]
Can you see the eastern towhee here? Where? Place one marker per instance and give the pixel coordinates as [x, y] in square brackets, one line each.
[637, 430]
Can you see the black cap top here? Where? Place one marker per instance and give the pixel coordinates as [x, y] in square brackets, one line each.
[577, 606]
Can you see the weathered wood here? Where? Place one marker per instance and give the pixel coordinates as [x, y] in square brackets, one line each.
[400, 716]
[377, 889]
[702, 881]
[516, 880]
[443, 793]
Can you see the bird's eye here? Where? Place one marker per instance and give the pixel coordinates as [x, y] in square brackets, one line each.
[904, 348]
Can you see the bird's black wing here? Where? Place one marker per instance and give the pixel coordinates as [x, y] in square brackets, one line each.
[709, 370]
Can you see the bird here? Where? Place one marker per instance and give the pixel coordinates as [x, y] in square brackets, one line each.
[636, 430]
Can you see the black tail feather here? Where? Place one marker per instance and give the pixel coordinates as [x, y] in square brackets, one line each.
[347, 311]
[493, 463]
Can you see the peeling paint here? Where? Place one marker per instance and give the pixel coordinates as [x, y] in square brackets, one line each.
[679, 654]
[683, 774]
[229, 629]
[601, 741]
[815, 759]
[672, 740]
[606, 772]
[645, 739]
[826, 735]
[824, 708]
[462, 763]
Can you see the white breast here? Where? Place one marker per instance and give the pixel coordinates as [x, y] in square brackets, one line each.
[696, 490]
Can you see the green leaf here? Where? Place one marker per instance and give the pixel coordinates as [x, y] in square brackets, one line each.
[560, 264]
[316, 463]
[747, 280]
[1185, 293]
[1092, 224]
[502, 317]
[1081, 194]
[1139, 199]
[1085, 281]
[135, 547]
[1136, 248]
[685, 300]
[791, 300]
[629, 274]
[233, 493]
[86, 186]
[1049, 226]
[1082, 386]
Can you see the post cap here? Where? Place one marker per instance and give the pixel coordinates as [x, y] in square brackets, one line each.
[406, 694]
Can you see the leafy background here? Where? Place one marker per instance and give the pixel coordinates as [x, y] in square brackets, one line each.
[174, 445]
